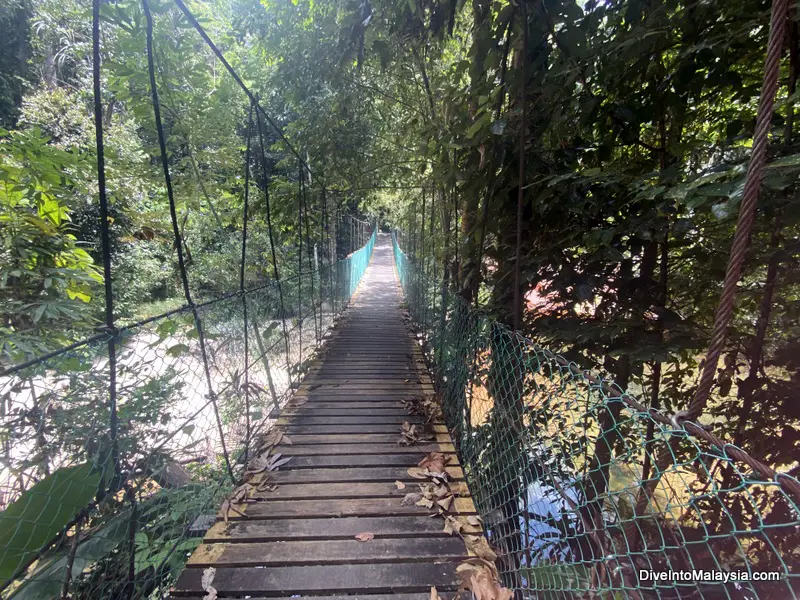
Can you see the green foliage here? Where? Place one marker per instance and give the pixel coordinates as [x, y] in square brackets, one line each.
[101, 555]
[43, 511]
[636, 136]
[147, 273]
[48, 278]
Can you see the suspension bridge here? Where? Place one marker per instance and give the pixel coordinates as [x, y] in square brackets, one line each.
[346, 476]
[355, 429]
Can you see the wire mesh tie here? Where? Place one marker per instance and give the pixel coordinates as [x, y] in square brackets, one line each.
[678, 419]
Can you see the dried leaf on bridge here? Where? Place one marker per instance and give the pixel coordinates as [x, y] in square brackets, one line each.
[478, 545]
[434, 463]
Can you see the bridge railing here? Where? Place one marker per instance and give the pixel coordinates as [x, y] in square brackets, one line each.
[583, 490]
[117, 450]
[95, 507]
[353, 266]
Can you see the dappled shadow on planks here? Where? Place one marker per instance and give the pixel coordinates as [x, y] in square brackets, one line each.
[347, 475]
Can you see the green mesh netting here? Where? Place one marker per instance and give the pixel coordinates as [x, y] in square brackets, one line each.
[555, 466]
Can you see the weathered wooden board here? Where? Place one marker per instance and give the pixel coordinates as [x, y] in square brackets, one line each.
[390, 448]
[349, 507]
[359, 596]
[326, 529]
[352, 461]
[375, 474]
[300, 418]
[323, 579]
[323, 491]
[359, 438]
[328, 552]
[317, 429]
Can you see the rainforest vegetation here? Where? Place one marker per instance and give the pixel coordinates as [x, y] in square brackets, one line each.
[638, 120]
[625, 126]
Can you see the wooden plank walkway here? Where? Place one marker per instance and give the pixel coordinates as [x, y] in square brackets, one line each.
[344, 425]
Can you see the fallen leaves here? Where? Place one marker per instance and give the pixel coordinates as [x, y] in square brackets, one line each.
[434, 463]
[426, 406]
[272, 438]
[400, 485]
[478, 546]
[414, 434]
[417, 472]
[475, 521]
[264, 463]
[294, 405]
[481, 578]
[412, 498]
[466, 569]
[433, 467]
[436, 492]
[228, 506]
[261, 465]
[365, 536]
[454, 524]
[477, 574]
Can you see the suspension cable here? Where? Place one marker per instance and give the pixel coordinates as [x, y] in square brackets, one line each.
[241, 283]
[304, 197]
[275, 272]
[176, 231]
[517, 313]
[300, 258]
[106, 245]
[744, 225]
[253, 97]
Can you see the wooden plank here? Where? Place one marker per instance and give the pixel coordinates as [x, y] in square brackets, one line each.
[379, 405]
[351, 507]
[405, 364]
[334, 383]
[338, 350]
[352, 461]
[293, 428]
[419, 596]
[311, 491]
[393, 366]
[386, 399]
[313, 410]
[346, 366]
[335, 342]
[364, 448]
[316, 429]
[389, 333]
[328, 552]
[365, 438]
[371, 376]
[322, 579]
[329, 528]
[300, 418]
[389, 474]
[367, 388]
[366, 394]
[357, 351]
